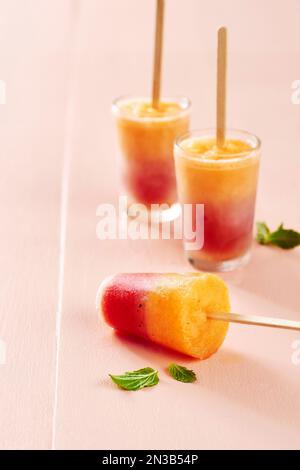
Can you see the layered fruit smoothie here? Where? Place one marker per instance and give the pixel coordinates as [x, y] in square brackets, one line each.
[225, 181]
[146, 140]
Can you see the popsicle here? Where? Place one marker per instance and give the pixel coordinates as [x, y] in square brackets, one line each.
[146, 138]
[219, 168]
[147, 128]
[168, 309]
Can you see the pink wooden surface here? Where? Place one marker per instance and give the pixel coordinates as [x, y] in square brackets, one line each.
[33, 65]
[57, 165]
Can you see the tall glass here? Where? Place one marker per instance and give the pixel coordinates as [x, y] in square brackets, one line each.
[225, 182]
[146, 142]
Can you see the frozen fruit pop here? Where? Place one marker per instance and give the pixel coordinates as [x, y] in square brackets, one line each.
[168, 309]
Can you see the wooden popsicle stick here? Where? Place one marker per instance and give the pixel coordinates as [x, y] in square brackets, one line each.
[256, 320]
[160, 7]
[221, 86]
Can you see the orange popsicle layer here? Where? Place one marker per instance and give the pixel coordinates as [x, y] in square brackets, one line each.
[207, 148]
[168, 309]
[142, 109]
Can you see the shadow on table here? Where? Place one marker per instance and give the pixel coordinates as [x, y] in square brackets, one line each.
[159, 356]
[272, 274]
[252, 384]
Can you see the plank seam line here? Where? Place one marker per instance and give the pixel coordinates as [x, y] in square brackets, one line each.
[64, 204]
[61, 269]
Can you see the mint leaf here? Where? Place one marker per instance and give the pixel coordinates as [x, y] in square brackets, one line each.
[136, 379]
[284, 238]
[263, 233]
[182, 374]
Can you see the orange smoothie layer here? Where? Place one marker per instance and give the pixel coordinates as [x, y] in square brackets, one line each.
[225, 181]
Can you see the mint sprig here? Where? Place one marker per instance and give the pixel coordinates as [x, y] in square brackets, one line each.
[284, 238]
[181, 373]
[136, 379]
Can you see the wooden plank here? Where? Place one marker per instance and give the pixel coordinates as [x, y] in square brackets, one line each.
[34, 63]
